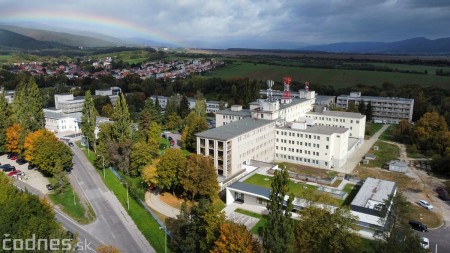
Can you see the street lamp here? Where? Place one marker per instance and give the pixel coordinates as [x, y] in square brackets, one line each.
[103, 162]
[165, 238]
[128, 200]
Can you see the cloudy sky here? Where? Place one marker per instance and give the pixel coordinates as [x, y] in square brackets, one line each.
[241, 23]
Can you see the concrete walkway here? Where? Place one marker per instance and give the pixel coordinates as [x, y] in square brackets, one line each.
[356, 157]
[153, 201]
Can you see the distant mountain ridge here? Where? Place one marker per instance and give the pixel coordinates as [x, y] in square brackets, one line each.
[10, 39]
[419, 45]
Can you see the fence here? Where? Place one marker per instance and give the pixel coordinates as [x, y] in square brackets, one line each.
[142, 202]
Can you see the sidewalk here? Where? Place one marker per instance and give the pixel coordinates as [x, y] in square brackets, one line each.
[355, 158]
[160, 206]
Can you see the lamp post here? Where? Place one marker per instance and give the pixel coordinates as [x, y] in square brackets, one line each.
[103, 163]
[165, 238]
[128, 200]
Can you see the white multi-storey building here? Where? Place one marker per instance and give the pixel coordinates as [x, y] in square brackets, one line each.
[322, 140]
[67, 103]
[384, 109]
[238, 142]
[211, 106]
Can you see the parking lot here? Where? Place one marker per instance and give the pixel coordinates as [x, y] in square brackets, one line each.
[32, 177]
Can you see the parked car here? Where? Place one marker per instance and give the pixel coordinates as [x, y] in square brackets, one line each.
[70, 235]
[9, 168]
[70, 144]
[442, 193]
[31, 166]
[425, 242]
[3, 166]
[12, 156]
[21, 161]
[14, 172]
[170, 138]
[68, 169]
[425, 204]
[49, 187]
[167, 132]
[417, 225]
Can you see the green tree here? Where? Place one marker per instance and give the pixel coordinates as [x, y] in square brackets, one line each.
[105, 141]
[197, 229]
[51, 156]
[172, 105]
[200, 105]
[100, 102]
[4, 121]
[122, 120]
[193, 124]
[321, 230]
[400, 237]
[173, 121]
[154, 135]
[198, 177]
[27, 106]
[120, 155]
[184, 107]
[148, 115]
[369, 112]
[168, 169]
[61, 180]
[431, 133]
[88, 119]
[141, 155]
[278, 234]
[362, 107]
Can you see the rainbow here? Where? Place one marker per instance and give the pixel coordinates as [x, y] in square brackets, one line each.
[86, 20]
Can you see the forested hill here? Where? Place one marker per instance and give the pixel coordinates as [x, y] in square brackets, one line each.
[10, 39]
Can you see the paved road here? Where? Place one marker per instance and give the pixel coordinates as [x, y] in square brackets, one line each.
[439, 237]
[86, 241]
[113, 224]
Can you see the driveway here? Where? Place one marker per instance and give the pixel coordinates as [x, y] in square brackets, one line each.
[439, 238]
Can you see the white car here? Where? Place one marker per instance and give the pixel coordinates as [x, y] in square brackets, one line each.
[425, 242]
[425, 204]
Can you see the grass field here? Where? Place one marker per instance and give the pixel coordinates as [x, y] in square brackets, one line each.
[427, 217]
[388, 134]
[71, 205]
[384, 154]
[297, 189]
[334, 77]
[420, 68]
[371, 129]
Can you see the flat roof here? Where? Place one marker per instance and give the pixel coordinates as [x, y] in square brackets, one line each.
[395, 99]
[228, 111]
[351, 115]
[319, 129]
[295, 101]
[321, 98]
[234, 129]
[256, 190]
[373, 191]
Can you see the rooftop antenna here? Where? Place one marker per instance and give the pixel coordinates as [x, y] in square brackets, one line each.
[269, 90]
[306, 86]
[286, 83]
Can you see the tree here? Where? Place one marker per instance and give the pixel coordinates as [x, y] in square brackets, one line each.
[107, 249]
[88, 119]
[4, 121]
[198, 177]
[120, 155]
[122, 120]
[197, 229]
[100, 102]
[107, 111]
[150, 173]
[193, 124]
[105, 141]
[51, 156]
[173, 121]
[30, 144]
[322, 230]
[61, 180]
[27, 106]
[235, 238]
[278, 234]
[184, 107]
[362, 107]
[168, 169]
[400, 238]
[172, 105]
[149, 114]
[153, 137]
[200, 105]
[431, 133]
[13, 134]
[141, 155]
[369, 112]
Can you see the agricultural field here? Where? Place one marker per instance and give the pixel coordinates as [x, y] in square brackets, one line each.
[338, 78]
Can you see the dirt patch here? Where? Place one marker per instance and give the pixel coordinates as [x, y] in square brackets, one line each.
[403, 181]
[310, 171]
[428, 217]
[171, 200]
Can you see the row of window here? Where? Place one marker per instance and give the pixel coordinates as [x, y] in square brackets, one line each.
[308, 152]
[300, 143]
[300, 135]
[299, 159]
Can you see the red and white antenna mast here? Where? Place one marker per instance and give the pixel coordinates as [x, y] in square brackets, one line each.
[306, 86]
[287, 83]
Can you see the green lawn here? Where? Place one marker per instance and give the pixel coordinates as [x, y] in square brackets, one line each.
[337, 78]
[420, 68]
[143, 220]
[368, 246]
[74, 209]
[257, 229]
[384, 154]
[371, 129]
[388, 134]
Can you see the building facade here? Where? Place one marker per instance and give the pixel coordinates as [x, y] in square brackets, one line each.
[384, 109]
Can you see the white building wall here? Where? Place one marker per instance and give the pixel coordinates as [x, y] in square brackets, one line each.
[356, 126]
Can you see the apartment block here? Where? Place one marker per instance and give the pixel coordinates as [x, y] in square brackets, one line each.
[384, 109]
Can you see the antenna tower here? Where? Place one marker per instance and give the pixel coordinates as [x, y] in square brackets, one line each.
[286, 83]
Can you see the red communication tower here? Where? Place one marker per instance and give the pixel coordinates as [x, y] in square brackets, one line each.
[286, 83]
[307, 86]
